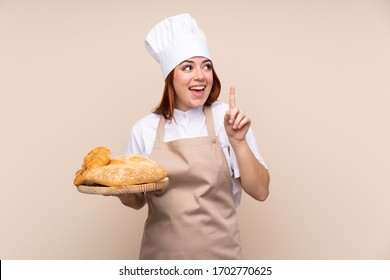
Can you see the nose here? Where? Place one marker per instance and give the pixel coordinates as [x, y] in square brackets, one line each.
[198, 74]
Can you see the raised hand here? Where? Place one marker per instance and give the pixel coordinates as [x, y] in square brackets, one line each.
[236, 123]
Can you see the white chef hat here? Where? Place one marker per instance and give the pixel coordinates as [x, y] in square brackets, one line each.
[174, 40]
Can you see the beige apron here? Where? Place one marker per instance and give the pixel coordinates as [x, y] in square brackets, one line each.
[194, 217]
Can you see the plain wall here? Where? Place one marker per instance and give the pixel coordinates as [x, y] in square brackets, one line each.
[312, 75]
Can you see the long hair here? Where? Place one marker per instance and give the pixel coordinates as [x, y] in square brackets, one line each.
[167, 103]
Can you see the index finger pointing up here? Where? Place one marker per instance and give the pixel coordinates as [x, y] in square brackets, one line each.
[232, 97]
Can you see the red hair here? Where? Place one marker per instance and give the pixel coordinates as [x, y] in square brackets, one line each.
[167, 103]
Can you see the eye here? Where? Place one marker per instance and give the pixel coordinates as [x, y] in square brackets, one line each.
[187, 68]
[208, 66]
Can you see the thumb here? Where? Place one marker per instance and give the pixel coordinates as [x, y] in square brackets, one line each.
[227, 117]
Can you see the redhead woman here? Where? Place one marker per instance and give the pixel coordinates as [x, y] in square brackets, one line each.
[207, 147]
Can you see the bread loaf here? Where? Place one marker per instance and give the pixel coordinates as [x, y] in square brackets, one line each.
[120, 171]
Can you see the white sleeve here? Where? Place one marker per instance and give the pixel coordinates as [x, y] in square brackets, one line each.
[220, 109]
[134, 143]
[251, 140]
[237, 189]
[142, 135]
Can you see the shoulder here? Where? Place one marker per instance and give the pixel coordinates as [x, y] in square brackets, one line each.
[148, 122]
[219, 107]
[142, 135]
[145, 127]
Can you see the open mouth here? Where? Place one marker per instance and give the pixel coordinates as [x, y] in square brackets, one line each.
[198, 88]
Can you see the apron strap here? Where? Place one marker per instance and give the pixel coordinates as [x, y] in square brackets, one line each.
[160, 129]
[209, 123]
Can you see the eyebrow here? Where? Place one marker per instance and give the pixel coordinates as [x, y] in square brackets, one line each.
[192, 62]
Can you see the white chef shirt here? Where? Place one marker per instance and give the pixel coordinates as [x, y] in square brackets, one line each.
[190, 124]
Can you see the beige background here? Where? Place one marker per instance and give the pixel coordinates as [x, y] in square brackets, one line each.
[313, 76]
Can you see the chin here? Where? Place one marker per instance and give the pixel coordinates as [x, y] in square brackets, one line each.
[198, 104]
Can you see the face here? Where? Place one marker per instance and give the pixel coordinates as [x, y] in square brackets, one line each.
[193, 80]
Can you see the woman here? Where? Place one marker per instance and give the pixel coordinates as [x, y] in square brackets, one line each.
[206, 146]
